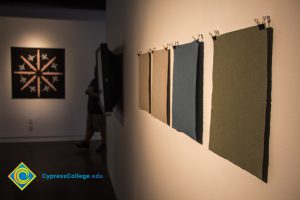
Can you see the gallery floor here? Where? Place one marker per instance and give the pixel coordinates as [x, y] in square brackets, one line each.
[55, 158]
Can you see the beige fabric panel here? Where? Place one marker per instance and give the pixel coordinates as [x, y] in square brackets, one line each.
[160, 85]
[144, 81]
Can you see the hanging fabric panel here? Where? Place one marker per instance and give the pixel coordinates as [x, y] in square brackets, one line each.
[144, 81]
[188, 89]
[160, 86]
[241, 100]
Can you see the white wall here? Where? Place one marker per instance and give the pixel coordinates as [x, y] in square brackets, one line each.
[149, 160]
[55, 119]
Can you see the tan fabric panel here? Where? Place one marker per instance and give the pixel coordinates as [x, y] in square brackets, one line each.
[144, 81]
[159, 95]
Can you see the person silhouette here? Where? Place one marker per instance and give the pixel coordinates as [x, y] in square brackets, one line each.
[96, 116]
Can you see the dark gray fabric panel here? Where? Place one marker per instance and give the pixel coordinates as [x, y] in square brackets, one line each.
[199, 93]
[241, 98]
[185, 113]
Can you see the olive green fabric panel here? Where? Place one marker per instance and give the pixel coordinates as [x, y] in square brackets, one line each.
[239, 100]
[144, 81]
[159, 102]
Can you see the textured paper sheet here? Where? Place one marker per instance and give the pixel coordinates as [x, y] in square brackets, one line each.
[241, 98]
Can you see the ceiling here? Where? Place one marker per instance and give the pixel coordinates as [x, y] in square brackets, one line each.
[70, 4]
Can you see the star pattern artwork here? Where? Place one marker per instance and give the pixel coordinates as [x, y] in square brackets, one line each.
[38, 73]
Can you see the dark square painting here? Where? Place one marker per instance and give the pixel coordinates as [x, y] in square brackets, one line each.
[38, 73]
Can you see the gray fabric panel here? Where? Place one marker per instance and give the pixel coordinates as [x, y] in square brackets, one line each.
[160, 85]
[144, 81]
[239, 100]
[184, 88]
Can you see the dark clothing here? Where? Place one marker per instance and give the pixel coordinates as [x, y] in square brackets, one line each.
[93, 102]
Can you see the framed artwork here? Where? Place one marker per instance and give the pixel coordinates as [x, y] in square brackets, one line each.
[110, 77]
[38, 73]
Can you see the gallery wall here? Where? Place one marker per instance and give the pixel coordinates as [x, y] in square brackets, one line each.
[148, 159]
[49, 119]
